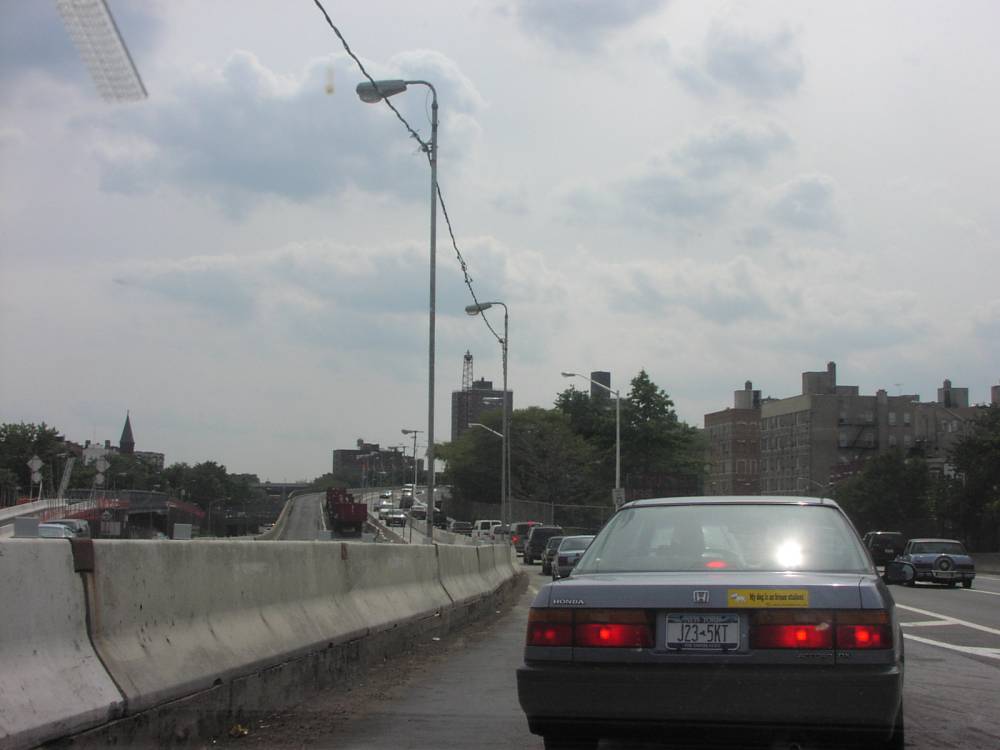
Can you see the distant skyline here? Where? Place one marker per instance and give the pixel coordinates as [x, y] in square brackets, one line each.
[712, 191]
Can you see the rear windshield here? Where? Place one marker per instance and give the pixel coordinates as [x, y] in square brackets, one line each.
[726, 538]
[574, 543]
[937, 548]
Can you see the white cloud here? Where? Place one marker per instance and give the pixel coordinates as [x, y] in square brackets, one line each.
[730, 144]
[760, 64]
[243, 131]
[580, 25]
[807, 202]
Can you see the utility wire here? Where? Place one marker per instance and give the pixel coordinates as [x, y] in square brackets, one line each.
[426, 148]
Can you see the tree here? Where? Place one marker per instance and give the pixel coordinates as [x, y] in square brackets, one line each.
[892, 492]
[18, 443]
[976, 457]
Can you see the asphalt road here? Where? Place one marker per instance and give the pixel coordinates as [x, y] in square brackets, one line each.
[462, 692]
[306, 520]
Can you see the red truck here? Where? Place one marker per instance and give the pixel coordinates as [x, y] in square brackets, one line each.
[347, 518]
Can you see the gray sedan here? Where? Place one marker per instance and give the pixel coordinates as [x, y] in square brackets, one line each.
[566, 557]
[745, 616]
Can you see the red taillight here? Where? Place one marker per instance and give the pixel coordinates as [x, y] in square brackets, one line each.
[864, 630]
[792, 636]
[550, 634]
[612, 635]
[716, 564]
[861, 629]
[515, 538]
[603, 628]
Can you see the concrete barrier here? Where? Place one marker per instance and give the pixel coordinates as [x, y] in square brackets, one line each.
[488, 568]
[51, 681]
[391, 583]
[987, 562]
[459, 567]
[172, 618]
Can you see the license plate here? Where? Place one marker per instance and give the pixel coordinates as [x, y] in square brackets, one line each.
[945, 574]
[703, 632]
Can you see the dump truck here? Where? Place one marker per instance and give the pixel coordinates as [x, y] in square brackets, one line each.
[346, 517]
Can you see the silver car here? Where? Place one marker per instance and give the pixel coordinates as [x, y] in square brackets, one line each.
[570, 549]
[745, 616]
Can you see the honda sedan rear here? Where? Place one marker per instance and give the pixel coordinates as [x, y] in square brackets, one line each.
[752, 615]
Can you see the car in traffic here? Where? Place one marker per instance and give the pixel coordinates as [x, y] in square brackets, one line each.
[744, 616]
[884, 545]
[518, 534]
[461, 527]
[538, 537]
[568, 553]
[482, 528]
[55, 531]
[78, 526]
[549, 553]
[940, 561]
[386, 494]
[384, 507]
[499, 533]
[395, 517]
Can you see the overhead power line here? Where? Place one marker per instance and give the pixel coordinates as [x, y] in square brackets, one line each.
[426, 148]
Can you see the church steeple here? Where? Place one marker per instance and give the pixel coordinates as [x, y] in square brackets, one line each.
[126, 445]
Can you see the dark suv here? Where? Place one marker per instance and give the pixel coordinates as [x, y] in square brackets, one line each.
[534, 545]
[885, 546]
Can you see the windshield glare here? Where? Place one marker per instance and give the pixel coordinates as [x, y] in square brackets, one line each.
[726, 538]
[575, 543]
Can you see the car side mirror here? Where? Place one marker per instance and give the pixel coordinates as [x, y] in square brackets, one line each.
[898, 571]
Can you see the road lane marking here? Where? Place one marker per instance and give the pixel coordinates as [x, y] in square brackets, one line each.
[954, 620]
[926, 623]
[992, 653]
[980, 591]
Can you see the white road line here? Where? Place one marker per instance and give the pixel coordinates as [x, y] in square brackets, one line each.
[954, 620]
[992, 653]
[927, 623]
[987, 577]
[980, 591]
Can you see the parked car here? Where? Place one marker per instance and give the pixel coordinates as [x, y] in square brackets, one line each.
[940, 561]
[395, 517]
[518, 533]
[884, 545]
[461, 527]
[55, 531]
[770, 605]
[566, 557]
[481, 528]
[549, 552]
[538, 537]
[78, 526]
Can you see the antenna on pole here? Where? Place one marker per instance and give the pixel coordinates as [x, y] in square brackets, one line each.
[467, 371]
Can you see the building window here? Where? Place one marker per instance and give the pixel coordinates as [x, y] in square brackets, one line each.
[892, 419]
[906, 418]
[892, 441]
[843, 440]
[907, 440]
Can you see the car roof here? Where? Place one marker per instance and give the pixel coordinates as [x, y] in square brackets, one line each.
[733, 500]
[934, 539]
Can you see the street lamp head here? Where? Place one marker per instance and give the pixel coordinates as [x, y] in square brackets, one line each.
[373, 93]
[477, 308]
[568, 374]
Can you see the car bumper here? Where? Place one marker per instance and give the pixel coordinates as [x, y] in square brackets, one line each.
[611, 699]
[944, 576]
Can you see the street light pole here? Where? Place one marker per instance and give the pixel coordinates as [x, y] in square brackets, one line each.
[414, 433]
[505, 510]
[372, 93]
[503, 478]
[618, 429]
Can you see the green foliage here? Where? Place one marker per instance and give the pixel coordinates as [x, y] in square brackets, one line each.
[975, 498]
[18, 443]
[892, 493]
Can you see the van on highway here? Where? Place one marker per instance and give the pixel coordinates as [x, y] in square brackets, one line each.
[481, 529]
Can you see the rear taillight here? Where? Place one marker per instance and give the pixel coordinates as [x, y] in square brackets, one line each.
[846, 630]
[515, 538]
[792, 636]
[605, 628]
[864, 629]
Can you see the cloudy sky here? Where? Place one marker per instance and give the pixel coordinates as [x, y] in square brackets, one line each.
[712, 191]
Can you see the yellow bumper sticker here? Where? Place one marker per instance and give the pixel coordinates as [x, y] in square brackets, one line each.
[786, 598]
